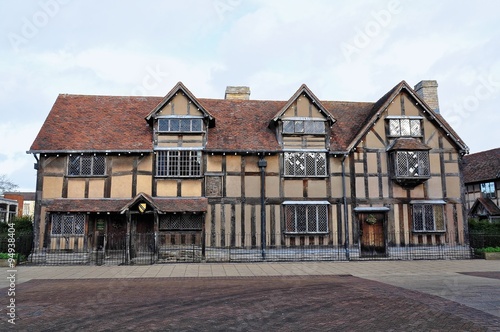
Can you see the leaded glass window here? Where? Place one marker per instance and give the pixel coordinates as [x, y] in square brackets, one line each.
[68, 224]
[412, 164]
[178, 163]
[87, 165]
[306, 218]
[301, 164]
[402, 127]
[428, 217]
[180, 124]
[303, 127]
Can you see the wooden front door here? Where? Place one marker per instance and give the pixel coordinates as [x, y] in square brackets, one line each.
[372, 234]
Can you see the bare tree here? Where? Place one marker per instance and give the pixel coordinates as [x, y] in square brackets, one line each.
[6, 184]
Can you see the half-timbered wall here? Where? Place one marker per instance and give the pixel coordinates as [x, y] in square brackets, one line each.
[177, 140]
[371, 173]
[473, 192]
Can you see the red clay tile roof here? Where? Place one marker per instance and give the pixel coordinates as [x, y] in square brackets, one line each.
[481, 166]
[350, 117]
[407, 143]
[79, 123]
[97, 123]
[242, 125]
[87, 205]
[118, 205]
[488, 205]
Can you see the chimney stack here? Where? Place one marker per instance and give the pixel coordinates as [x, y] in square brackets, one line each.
[237, 92]
[427, 90]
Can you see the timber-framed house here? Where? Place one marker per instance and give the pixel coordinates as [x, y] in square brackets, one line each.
[242, 173]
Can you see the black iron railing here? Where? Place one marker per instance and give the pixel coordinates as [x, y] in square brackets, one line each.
[175, 247]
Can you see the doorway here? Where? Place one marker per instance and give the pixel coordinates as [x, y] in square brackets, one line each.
[142, 242]
[372, 234]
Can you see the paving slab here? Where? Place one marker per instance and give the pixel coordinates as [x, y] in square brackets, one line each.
[472, 284]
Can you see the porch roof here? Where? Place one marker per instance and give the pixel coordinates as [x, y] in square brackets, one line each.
[489, 206]
[162, 204]
[87, 205]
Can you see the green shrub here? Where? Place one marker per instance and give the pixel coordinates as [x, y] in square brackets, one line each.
[18, 257]
[483, 226]
[23, 235]
[22, 225]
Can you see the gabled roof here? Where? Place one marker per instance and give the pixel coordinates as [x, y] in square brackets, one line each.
[140, 198]
[179, 87]
[79, 123]
[488, 205]
[169, 204]
[388, 98]
[304, 90]
[481, 166]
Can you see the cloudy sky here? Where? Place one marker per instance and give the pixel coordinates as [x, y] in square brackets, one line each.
[342, 50]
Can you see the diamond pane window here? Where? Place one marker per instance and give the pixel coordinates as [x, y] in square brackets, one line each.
[178, 163]
[68, 224]
[428, 218]
[87, 165]
[402, 127]
[306, 218]
[181, 221]
[412, 164]
[302, 164]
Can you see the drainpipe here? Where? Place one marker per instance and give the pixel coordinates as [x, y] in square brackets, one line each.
[38, 208]
[263, 164]
[346, 219]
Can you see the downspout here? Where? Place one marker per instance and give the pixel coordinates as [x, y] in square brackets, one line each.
[263, 164]
[38, 208]
[344, 201]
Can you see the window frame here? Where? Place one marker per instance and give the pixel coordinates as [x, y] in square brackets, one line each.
[437, 207]
[424, 164]
[70, 169]
[68, 219]
[297, 155]
[321, 225]
[410, 119]
[192, 157]
[299, 126]
[180, 119]
[483, 187]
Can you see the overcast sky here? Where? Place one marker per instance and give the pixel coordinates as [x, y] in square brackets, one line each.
[343, 50]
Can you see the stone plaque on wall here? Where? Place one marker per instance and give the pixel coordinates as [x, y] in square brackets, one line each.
[213, 186]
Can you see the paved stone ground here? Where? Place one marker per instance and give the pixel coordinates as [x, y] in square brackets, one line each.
[269, 303]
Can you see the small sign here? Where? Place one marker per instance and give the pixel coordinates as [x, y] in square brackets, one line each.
[100, 225]
[142, 207]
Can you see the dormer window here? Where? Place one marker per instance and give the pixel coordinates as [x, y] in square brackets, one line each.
[303, 126]
[405, 126]
[180, 124]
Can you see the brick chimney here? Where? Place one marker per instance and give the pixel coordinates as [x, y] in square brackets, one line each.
[237, 92]
[427, 90]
